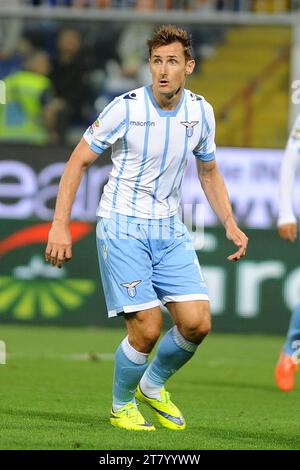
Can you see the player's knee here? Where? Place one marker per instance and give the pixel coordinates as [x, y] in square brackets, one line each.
[146, 340]
[151, 335]
[196, 331]
[203, 329]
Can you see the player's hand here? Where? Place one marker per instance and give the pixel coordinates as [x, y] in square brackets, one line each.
[288, 232]
[59, 247]
[238, 237]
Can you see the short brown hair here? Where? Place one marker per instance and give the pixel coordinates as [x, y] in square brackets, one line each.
[167, 34]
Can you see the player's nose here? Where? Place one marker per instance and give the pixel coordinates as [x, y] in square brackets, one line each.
[163, 70]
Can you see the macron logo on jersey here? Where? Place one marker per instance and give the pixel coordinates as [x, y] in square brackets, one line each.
[142, 123]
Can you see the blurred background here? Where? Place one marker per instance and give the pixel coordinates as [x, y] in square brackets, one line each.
[61, 62]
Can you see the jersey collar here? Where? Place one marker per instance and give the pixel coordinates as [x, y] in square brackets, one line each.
[160, 111]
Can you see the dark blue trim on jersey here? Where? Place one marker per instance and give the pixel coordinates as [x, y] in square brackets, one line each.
[160, 111]
[205, 157]
[145, 152]
[167, 138]
[125, 143]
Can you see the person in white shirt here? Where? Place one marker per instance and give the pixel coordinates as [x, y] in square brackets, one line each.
[287, 227]
[144, 249]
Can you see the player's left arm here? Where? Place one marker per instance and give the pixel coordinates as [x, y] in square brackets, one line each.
[215, 190]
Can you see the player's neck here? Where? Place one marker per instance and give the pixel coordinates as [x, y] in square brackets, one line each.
[168, 102]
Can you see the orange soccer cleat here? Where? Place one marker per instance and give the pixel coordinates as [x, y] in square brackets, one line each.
[285, 371]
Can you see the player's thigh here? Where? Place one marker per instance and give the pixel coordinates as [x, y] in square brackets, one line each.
[178, 276]
[144, 328]
[126, 268]
[192, 318]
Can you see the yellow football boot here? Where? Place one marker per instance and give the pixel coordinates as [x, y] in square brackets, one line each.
[166, 412]
[130, 418]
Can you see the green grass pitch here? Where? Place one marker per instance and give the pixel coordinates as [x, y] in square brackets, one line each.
[56, 394]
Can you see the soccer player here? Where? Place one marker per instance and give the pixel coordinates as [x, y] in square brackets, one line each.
[144, 249]
[287, 228]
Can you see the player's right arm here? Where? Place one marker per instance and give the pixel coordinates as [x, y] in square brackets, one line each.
[59, 247]
[101, 135]
[287, 222]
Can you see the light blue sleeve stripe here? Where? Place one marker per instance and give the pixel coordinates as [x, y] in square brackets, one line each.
[205, 123]
[96, 148]
[102, 145]
[125, 151]
[186, 117]
[203, 139]
[105, 144]
[163, 162]
[145, 151]
[114, 131]
[204, 117]
[205, 157]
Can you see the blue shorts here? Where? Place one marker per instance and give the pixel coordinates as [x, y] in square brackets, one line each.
[144, 262]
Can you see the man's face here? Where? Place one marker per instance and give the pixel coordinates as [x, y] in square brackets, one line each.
[169, 67]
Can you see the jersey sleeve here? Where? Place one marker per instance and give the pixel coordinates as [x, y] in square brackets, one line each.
[289, 165]
[206, 148]
[108, 127]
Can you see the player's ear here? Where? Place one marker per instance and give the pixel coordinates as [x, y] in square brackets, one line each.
[189, 66]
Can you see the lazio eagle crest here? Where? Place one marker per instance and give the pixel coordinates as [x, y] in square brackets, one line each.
[189, 127]
[131, 287]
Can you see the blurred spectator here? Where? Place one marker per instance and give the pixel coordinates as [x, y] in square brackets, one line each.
[70, 79]
[133, 59]
[51, 2]
[130, 68]
[93, 3]
[10, 33]
[74, 3]
[265, 6]
[233, 5]
[30, 112]
[205, 5]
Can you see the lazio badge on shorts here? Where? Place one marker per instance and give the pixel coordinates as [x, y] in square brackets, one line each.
[131, 287]
[189, 126]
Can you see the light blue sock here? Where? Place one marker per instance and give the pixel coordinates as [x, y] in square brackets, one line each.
[130, 365]
[293, 332]
[172, 353]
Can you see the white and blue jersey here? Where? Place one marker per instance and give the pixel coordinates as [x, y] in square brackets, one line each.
[150, 148]
[144, 250]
